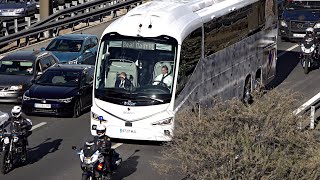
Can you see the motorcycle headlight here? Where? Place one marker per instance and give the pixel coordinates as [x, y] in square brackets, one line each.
[26, 98]
[19, 10]
[317, 26]
[163, 122]
[66, 100]
[15, 88]
[283, 23]
[6, 140]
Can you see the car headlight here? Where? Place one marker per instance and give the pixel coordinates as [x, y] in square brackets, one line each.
[15, 88]
[26, 98]
[75, 61]
[19, 10]
[283, 23]
[317, 25]
[66, 100]
[163, 122]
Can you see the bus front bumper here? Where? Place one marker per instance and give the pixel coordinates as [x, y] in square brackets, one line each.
[152, 133]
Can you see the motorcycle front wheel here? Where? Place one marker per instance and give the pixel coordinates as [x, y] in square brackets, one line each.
[306, 66]
[5, 162]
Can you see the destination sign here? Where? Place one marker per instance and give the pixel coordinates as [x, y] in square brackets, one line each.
[138, 45]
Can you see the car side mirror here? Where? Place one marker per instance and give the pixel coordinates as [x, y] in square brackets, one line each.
[42, 49]
[39, 73]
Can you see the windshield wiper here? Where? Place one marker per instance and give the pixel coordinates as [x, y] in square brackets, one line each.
[148, 97]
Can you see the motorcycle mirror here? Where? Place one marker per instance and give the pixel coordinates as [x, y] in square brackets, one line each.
[74, 148]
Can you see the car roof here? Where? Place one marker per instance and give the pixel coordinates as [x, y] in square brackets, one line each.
[25, 55]
[75, 36]
[72, 67]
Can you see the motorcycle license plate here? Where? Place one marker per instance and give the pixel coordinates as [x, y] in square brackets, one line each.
[299, 35]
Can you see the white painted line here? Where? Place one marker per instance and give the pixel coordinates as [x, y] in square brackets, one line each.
[308, 104]
[116, 145]
[289, 49]
[38, 125]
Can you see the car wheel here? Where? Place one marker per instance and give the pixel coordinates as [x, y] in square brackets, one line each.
[77, 109]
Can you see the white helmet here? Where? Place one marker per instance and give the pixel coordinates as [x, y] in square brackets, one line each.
[16, 111]
[101, 130]
[310, 30]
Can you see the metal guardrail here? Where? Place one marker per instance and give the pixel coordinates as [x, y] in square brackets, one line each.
[68, 18]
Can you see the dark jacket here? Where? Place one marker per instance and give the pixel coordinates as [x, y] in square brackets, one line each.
[103, 143]
[127, 83]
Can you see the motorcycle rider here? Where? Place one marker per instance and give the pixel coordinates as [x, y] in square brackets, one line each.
[311, 39]
[21, 125]
[104, 144]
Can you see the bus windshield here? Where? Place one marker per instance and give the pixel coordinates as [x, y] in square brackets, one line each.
[135, 71]
[302, 5]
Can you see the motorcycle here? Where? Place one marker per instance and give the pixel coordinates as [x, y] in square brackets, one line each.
[308, 55]
[92, 162]
[13, 152]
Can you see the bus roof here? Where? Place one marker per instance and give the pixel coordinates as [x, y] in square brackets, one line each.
[175, 18]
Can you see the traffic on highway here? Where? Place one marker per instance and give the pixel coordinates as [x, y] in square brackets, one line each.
[107, 96]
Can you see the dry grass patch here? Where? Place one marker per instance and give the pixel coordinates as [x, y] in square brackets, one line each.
[233, 141]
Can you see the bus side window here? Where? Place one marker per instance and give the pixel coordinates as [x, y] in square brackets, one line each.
[226, 31]
[189, 57]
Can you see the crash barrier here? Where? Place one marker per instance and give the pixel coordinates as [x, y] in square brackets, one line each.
[69, 18]
[311, 106]
[15, 24]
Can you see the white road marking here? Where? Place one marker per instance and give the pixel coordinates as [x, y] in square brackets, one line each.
[38, 125]
[289, 49]
[308, 104]
[116, 145]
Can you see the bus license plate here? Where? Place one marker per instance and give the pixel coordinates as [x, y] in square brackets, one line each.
[46, 106]
[128, 131]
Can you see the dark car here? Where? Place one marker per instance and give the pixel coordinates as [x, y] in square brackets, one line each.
[63, 90]
[296, 17]
[18, 69]
[74, 48]
[17, 8]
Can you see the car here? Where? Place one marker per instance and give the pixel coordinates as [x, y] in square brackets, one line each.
[63, 90]
[74, 48]
[18, 69]
[17, 8]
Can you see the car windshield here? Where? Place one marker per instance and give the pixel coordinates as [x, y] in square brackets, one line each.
[65, 45]
[139, 69]
[16, 67]
[59, 78]
[302, 5]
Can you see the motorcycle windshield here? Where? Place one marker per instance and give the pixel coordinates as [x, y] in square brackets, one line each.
[89, 149]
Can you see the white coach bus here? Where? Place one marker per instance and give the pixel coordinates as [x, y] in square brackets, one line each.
[165, 55]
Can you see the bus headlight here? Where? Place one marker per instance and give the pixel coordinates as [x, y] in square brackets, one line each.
[163, 122]
[283, 23]
[96, 117]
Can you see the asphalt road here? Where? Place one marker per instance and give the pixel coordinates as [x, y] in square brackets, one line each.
[51, 156]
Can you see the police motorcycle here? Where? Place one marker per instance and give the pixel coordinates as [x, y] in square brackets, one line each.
[92, 161]
[309, 50]
[11, 147]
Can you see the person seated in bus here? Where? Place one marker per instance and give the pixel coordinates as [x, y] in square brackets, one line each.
[122, 81]
[163, 78]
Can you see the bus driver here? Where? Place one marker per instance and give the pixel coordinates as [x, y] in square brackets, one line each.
[164, 77]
